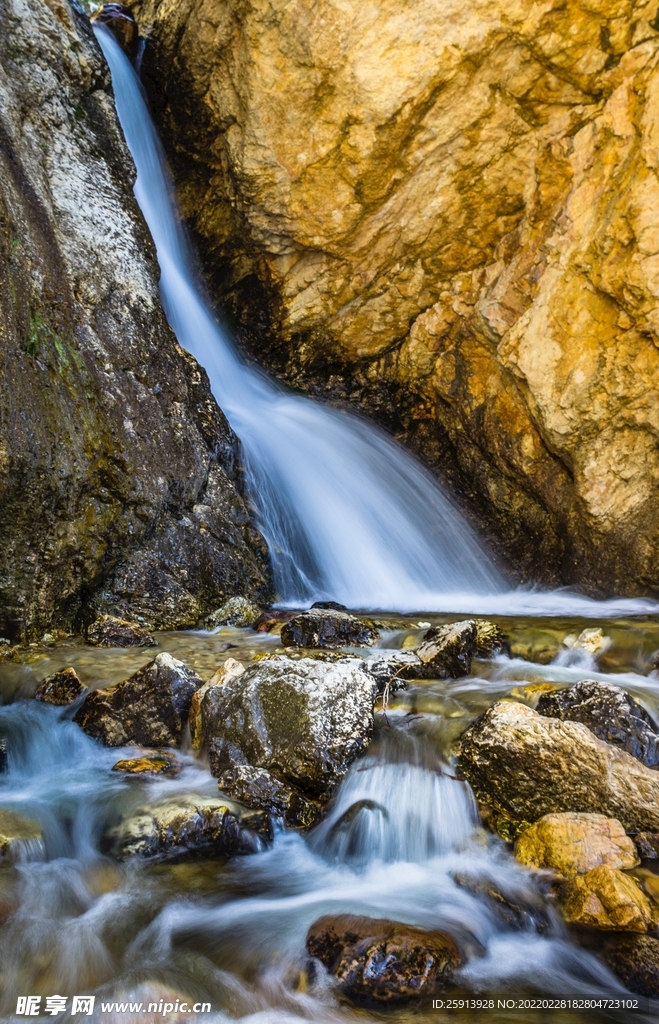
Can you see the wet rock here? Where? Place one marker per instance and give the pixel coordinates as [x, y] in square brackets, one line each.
[379, 961]
[3, 755]
[526, 766]
[61, 688]
[122, 25]
[272, 621]
[572, 844]
[261, 791]
[237, 611]
[151, 708]
[490, 639]
[634, 959]
[610, 713]
[18, 835]
[329, 606]
[522, 910]
[447, 651]
[109, 631]
[231, 669]
[328, 628]
[303, 720]
[184, 826]
[591, 640]
[392, 668]
[647, 844]
[606, 898]
[151, 765]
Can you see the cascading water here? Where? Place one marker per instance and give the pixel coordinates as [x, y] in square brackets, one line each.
[348, 515]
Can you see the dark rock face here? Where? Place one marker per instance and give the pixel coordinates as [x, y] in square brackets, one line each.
[610, 713]
[187, 826]
[61, 688]
[304, 721]
[647, 844]
[260, 790]
[121, 24]
[520, 910]
[320, 627]
[109, 631]
[106, 427]
[634, 959]
[447, 651]
[151, 708]
[378, 961]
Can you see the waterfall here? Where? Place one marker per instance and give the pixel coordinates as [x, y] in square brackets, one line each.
[348, 515]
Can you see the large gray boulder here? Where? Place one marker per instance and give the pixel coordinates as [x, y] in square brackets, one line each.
[328, 627]
[526, 766]
[304, 721]
[151, 708]
[447, 651]
[610, 713]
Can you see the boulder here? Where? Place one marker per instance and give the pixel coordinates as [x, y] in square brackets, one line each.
[109, 631]
[526, 766]
[606, 898]
[591, 640]
[18, 835]
[383, 962]
[321, 627]
[647, 844]
[151, 708]
[261, 791]
[634, 959]
[303, 720]
[490, 639]
[447, 651]
[520, 909]
[231, 669]
[61, 688]
[572, 844]
[610, 713]
[185, 826]
[237, 611]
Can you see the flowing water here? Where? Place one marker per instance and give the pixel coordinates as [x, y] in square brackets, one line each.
[348, 516]
[401, 840]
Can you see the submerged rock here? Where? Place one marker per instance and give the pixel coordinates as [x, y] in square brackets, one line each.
[519, 909]
[526, 766]
[156, 764]
[261, 791]
[379, 961]
[151, 708]
[61, 688]
[447, 651]
[19, 836]
[610, 713]
[572, 844]
[321, 627]
[237, 611]
[634, 959]
[185, 826]
[303, 720]
[109, 631]
[606, 898]
[591, 640]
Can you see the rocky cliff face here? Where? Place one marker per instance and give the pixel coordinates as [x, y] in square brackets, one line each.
[446, 212]
[117, 479]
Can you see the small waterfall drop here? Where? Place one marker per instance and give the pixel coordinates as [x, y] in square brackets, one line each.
[347, 514]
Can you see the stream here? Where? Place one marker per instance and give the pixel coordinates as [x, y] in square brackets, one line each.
[232, 932]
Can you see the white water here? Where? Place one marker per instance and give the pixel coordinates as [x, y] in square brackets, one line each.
[348, 515]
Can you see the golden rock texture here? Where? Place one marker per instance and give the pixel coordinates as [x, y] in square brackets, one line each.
[573, 844]
[607, 898]
[445, 212]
